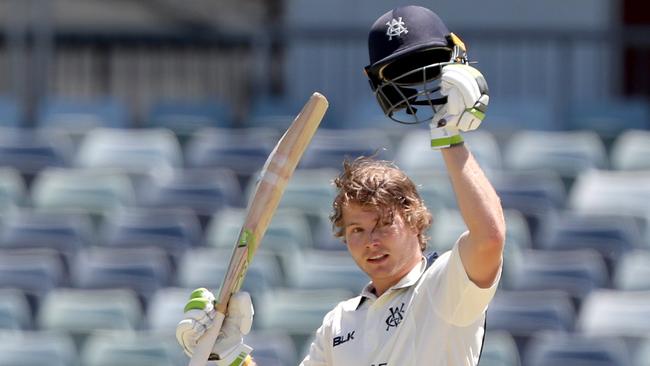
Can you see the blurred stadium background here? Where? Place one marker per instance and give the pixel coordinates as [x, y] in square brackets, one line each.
[132, 130]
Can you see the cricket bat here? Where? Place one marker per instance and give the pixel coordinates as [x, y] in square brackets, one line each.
[274, 177]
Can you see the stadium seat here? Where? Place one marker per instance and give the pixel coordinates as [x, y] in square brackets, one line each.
[611, 192]
[81, 115]
[273, 348]
[615, 313]
[30, 150]
[323, 232]
[563, 349]
[631, 150]
[298, 312]
[94, 192]
[35, 272]
[164, 311]
[577, 272]
[632, 272]
[128, 348]
[537, 195]
[143, 270]
[173, 230]
[15, 313]
[288, 230]
[184, 117]
[29, 348]
[13, 190]
[567, 153]
[610, 235]
[609, 117]
[448, 225]
[330, 147]
[206, 267]
[272, 112]
[66, 233]
[80, 312]
[434, 188]
[642, 354]
[367, 114]
[132, 151]
[524, 313]
[10, 112]
[242, 150]
[414, 153]
[309, 190]
[499, 349]
[509, 115]
[318, 269]
[518, 231]
[445, 230]
[203, 191]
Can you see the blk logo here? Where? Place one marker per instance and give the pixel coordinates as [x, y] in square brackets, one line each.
[340, 339]
[395, 28]
[395, 317]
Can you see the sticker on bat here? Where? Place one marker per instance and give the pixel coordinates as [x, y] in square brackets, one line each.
[245, 238]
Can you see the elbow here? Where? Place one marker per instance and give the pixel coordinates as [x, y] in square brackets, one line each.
[494, 238]
[489, 241]
[496, 233]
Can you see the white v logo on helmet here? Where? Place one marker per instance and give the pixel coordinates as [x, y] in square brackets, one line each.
[395, 28]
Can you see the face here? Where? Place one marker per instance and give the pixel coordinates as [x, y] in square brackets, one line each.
[386, 252]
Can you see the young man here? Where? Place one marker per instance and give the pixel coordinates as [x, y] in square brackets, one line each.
[416, 310]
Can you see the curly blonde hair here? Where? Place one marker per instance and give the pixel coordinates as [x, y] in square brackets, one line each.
[380, 185]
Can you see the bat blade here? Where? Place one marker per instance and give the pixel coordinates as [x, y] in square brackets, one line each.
[274, 177]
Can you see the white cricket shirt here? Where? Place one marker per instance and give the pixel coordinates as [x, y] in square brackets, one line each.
[433, 316]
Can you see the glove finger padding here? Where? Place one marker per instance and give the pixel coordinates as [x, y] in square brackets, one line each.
[467, 98]
[199, 313]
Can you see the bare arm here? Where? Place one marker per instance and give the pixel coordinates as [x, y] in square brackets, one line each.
[481, 248]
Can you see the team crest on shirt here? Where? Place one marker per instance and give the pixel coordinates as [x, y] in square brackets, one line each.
[396, 28]
[395, 317]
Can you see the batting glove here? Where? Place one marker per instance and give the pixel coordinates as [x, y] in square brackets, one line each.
[467, 101]
[229, 349]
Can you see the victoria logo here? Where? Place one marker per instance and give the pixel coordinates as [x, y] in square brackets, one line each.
[396, 28]
[395, 317]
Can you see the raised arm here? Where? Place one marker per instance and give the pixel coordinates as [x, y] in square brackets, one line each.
[481, 247]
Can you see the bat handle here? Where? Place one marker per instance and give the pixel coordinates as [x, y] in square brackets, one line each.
[206, 343]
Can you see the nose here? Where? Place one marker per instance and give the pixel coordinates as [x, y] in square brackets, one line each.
[373, 238]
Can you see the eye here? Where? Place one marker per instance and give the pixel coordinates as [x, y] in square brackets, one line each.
[355, 230]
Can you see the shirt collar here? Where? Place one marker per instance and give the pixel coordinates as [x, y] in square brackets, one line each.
[409, 280]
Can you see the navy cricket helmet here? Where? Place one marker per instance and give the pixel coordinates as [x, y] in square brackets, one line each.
[408, 46]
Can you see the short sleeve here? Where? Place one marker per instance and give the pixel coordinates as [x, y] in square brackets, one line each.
[455, 297]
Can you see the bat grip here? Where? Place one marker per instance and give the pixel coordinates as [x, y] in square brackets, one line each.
[206, 343]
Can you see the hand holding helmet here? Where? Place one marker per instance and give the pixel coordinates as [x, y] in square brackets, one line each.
[467, 101]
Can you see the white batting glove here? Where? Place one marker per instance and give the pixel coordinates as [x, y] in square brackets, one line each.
[467, 101]
[229, 349]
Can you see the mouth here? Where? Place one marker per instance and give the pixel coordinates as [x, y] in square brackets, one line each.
[377, 258]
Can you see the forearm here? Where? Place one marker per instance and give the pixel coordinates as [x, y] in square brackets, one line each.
[477, 200]
[481, 249]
